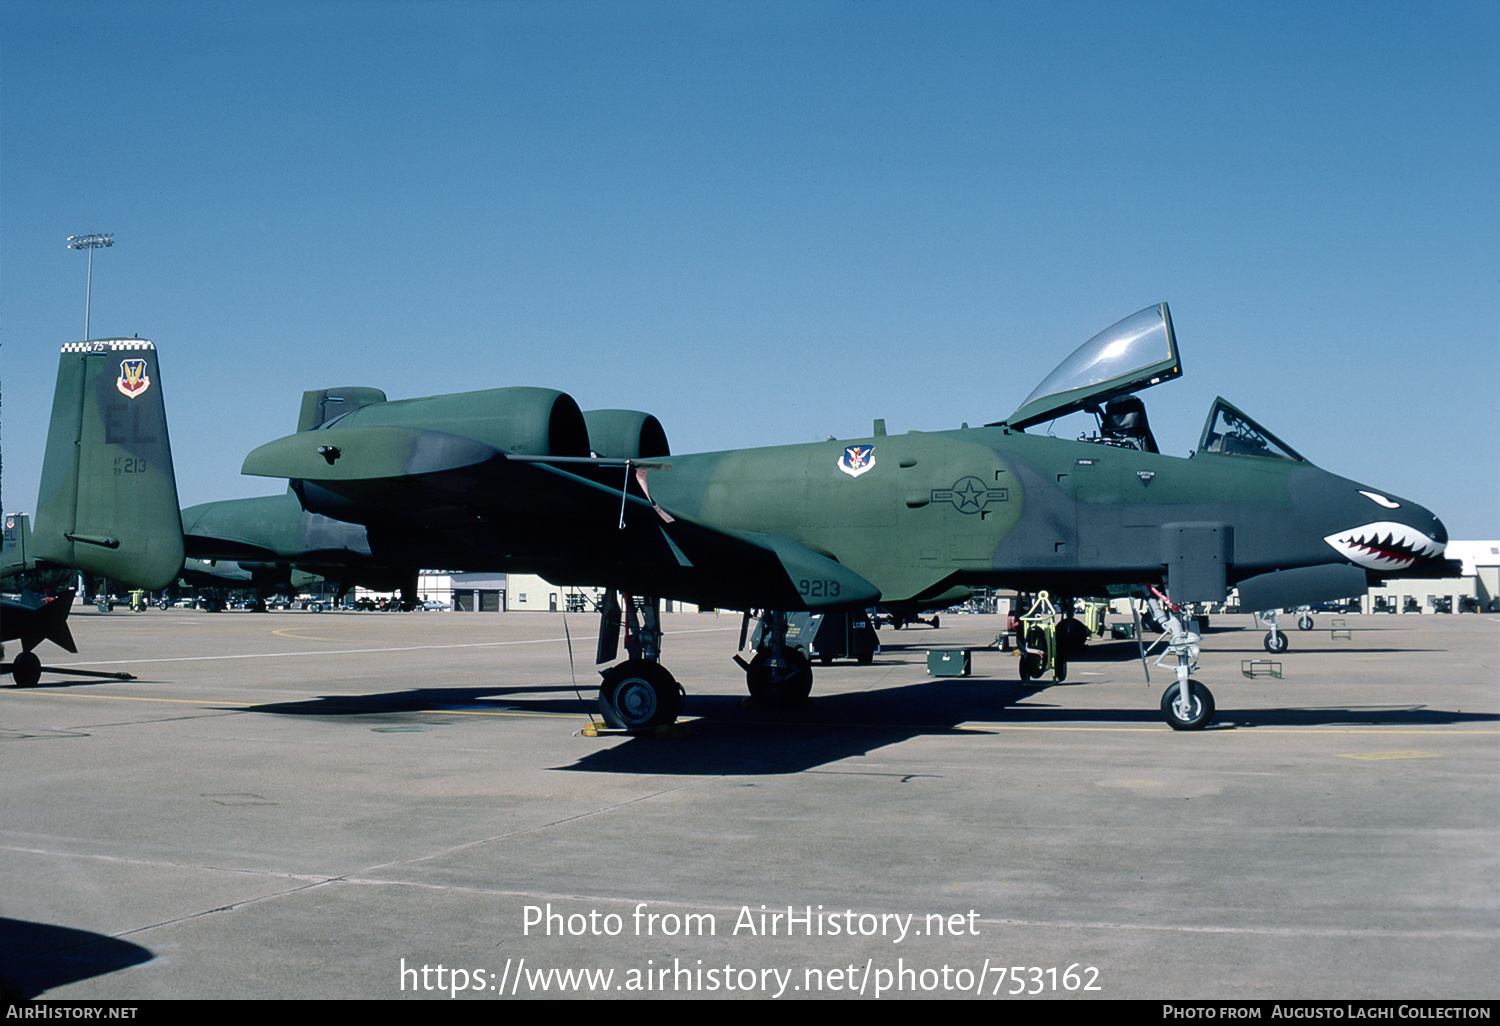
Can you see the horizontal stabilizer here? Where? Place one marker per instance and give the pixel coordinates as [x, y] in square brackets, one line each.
[365, 454]
[31, 621]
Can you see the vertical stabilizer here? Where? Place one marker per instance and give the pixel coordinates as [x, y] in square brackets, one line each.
[320, 405]
[15, 551]
[108, 501]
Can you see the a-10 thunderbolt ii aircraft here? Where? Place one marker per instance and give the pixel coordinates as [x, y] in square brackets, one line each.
[521, 480]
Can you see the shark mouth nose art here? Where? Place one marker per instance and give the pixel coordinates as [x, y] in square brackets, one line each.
[1384, 545]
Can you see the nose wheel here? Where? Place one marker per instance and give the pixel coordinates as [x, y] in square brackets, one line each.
[1194, 713]
[1186, 704]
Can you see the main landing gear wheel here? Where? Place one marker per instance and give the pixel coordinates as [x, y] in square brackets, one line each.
[1304, 622]
[1276, 643]
[791, 682]
[26, 670]
[637, 695]
[1195, 714]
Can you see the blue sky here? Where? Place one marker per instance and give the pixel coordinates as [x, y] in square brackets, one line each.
[766, 222]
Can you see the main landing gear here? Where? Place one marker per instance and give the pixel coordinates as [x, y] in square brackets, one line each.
[778, 673]
[640, 694]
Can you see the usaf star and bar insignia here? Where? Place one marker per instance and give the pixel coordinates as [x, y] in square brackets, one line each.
[969, 495]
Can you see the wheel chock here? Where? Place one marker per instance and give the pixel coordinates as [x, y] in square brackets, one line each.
[662, 733]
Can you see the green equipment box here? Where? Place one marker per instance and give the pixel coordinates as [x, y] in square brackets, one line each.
[948, 662]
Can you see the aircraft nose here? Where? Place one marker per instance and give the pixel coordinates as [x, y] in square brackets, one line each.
[1384, 532]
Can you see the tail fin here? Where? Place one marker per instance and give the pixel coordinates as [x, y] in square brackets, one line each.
[15, 551]
[320, 405]
[108, 501]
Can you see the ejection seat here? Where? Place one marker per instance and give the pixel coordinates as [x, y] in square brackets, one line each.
[1124, 421]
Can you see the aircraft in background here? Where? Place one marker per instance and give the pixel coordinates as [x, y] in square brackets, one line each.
[270, 542]
[522, 480]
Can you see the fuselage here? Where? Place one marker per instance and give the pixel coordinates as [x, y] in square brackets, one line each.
[993, 506]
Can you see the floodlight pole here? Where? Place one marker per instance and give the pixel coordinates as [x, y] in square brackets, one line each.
[90, 242]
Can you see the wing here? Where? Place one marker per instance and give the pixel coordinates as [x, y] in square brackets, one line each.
[579, 521]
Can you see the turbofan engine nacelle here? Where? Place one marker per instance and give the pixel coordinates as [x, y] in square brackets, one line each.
[527, 421]
[626, 435]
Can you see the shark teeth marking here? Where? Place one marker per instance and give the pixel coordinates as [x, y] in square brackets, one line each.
[1384, 545]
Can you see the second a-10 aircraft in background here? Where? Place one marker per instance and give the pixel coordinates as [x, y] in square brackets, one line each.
[522, 480]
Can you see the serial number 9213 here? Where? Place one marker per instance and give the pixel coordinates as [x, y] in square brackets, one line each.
[818, 589]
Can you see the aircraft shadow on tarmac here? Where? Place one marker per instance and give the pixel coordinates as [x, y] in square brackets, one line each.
[438, 700]
[38, 957]
[732, 736]
[729, 734]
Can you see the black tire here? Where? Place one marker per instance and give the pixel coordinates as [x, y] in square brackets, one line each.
[638, 695]
[1060, 664]
[26, 670]
[790, 683]
[1200, 711]
[1304, 622]
[1072, 635]
[1276, 643]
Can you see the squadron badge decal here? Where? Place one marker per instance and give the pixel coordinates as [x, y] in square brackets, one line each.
[857, 459]
[133, 380]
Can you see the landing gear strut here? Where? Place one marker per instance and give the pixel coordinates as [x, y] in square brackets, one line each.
[1186, 704]
[639, 693]
[1276, 640]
